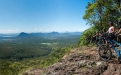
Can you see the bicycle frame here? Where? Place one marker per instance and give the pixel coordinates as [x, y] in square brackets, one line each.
[118, 52]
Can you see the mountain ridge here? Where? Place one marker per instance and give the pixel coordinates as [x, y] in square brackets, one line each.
[39, 34]
[24, 35]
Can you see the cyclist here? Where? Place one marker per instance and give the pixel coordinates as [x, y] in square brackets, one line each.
[119, 27]
[97, 36]
[119, 32]
[104, 35]
[111, 28]
[111, 31]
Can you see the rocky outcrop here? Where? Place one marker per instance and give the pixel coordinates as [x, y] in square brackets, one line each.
[81, 61]
[78, 63]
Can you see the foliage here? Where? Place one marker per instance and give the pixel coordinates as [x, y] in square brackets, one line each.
[15, 68]
[55, 56]
[98, 14]
[85, 37]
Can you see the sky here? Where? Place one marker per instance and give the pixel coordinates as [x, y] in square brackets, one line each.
[42, 16]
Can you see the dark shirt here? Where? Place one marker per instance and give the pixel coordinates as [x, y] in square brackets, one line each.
[104, 34]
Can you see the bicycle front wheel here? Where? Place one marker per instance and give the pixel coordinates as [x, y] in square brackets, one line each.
[105, 52]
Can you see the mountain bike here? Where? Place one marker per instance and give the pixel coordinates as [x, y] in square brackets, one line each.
[105, 50]
[100, 42]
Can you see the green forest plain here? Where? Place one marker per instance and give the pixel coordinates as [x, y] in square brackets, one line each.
[26, 51]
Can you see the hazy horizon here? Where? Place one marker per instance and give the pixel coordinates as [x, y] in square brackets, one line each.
[44, 32]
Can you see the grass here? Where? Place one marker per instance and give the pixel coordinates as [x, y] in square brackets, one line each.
[83, 67]
[80, 51]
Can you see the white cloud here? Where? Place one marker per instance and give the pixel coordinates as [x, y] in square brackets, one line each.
[9, 31]
[38, 29]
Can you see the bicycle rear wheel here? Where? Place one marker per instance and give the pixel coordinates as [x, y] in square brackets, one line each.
[105, 52]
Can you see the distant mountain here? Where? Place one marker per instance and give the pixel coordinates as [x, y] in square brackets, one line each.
[44, 34]
[24, 35]
[73, 33]
[38, 34]
[53, 33]
[76, 33]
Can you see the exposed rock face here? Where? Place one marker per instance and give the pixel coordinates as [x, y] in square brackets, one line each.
[82, 61]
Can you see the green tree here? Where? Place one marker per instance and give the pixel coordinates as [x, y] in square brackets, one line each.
[98, 14]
